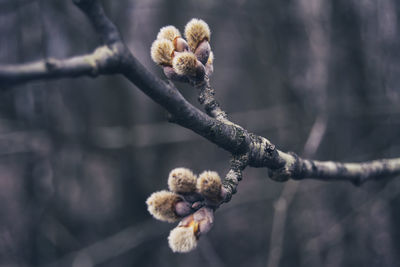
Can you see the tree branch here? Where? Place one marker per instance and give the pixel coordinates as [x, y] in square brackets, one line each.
[115, 57]
[102, 61]
[103, 26]
[357, 173]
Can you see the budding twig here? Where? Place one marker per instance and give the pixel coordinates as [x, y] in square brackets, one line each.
[195, 198]
[207, 99]
[234, 176]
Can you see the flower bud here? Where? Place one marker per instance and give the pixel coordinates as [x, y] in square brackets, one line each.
[209, 185]
[180, 44]
[196, 31]
[202, 52]
[183, 238]
[162, 51]
[169, 33]
[162, 204]
[181, 181]
[186, 63]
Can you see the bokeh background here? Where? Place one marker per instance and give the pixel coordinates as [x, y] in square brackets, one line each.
[79, 157]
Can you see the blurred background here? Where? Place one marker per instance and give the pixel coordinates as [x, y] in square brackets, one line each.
[79, 157]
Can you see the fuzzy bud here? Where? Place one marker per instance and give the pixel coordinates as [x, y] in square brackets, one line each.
[169, 33]
[182, 180]
[209, 185]
[162, 204]
[196, 31]
[186, 63]
[184, 237]
[203, 51]
[162, 51]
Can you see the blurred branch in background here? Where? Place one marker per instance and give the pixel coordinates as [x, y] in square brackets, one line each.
[111, 247]
[315, 16]
[288, 193]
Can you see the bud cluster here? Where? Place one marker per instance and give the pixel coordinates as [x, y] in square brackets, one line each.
[190, 199]
[184, 60]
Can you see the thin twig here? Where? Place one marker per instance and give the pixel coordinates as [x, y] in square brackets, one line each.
[101, 61]
[207, 99]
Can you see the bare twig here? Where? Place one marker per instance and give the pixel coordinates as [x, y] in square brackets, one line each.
[101, 61]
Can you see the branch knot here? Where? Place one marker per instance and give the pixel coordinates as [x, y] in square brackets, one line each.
[264, 153]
